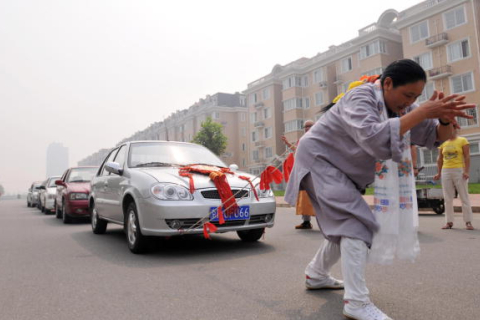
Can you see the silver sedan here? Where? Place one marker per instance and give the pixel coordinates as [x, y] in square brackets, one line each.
[139, 186]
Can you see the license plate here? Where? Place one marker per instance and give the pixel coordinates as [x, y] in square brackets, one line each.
[243, 213]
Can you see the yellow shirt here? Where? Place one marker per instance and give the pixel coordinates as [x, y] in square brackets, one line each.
[452, 151]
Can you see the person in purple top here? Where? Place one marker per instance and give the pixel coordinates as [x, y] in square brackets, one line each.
[335, 162]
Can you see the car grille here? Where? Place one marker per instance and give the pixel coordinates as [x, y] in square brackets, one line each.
[213, 194]
[188, 223]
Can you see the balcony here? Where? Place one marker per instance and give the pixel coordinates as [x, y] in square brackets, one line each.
[259, 124]
[437, 40]
[260, 144]
[322, 84]
[258, 105]
[440, 73]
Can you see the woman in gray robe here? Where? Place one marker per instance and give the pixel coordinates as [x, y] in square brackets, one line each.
[336, 161]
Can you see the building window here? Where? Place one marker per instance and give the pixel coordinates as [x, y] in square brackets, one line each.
[294, 125]
[419, 31]
[244, 163]
[216, 115]
[255, 172]
[454, 18]
[462, 83]
[376, 71]
[254, 136]
[267, 132]
[424, 60]
[293, 81]
[267, 113]
[253, 117]
[306, 103]
[430, 156]
[373, 48]
[243, 116]
[255, 155]
[244, 147]
[474, 148]
[290, 104]
[427, 92]
[253, 98]
[319, 75]
[346, 65]
[465, 123]
[244, 131]
[266, 93]
[319, 98]
[305, 81]
[458, 50]
[268, 152]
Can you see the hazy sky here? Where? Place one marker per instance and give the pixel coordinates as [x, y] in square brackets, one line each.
[90, 73]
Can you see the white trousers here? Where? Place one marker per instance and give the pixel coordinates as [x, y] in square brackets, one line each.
[452, 178]
[354, 260]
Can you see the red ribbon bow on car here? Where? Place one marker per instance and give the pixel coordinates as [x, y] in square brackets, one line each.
[268, 175]
[207, 228]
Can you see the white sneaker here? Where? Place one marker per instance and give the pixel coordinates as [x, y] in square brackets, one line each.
[326, 283]
[364, 311]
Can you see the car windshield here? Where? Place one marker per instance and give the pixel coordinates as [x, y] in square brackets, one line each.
[162, 154]
[52, 184]
[81, 174]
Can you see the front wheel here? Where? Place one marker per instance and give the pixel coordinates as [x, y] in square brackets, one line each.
[99, 226]
[65, 217]
[58, 212]
[439, 208]
[251, 235]
[137, 243]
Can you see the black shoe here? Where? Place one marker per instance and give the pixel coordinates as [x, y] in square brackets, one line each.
[304, 225]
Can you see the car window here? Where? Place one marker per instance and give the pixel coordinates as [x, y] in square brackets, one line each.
[81, 174]
[51, 183]
[64, 175]
[109, 159]
[164, 154]
[120, 158]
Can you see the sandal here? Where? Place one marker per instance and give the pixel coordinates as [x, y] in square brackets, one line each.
[469, 226]
[449, 225]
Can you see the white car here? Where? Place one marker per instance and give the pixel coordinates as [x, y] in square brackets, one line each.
[47, 196]
[32, 196]
[139, 186]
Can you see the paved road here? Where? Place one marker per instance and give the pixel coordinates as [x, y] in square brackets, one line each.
[53, 271]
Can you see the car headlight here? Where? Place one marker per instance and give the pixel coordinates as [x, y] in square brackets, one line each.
[170, 191]
[78, 196]
[264, 193]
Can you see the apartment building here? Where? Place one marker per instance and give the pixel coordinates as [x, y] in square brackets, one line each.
[281, 101]
[442, 36]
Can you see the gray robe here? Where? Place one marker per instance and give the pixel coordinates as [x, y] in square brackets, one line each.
[339, 152]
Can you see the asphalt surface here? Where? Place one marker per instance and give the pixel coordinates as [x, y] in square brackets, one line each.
[53, 271]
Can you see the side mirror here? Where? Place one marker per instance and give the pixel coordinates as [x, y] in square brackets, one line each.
[233, 167]
[59, 183]
[41, 187]
[114, 167]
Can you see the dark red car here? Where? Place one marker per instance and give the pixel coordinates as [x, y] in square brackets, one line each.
[73, 189]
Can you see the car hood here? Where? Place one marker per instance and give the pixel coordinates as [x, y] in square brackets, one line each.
[200, 180]
[79, 187]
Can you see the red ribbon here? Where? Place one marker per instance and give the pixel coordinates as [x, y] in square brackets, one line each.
[221, 219]
[207, 228]
[270, 174]
[251, 185]
[288, 166]
[226, 195]
[190, 178]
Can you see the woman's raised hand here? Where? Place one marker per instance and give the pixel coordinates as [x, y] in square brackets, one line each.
[446, 108]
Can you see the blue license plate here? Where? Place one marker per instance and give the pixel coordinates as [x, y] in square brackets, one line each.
[243, 213]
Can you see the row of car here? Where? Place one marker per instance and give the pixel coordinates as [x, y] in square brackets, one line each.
[146, 187]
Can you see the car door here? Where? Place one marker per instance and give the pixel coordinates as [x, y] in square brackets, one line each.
[100, 187]
[116, 187]
[58, 197]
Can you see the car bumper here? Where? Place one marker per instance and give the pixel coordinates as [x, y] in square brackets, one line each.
[49, 204]
[78, 208]
[155, 216]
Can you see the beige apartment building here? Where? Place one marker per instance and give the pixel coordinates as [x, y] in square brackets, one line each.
[442, 36]
[280, 102]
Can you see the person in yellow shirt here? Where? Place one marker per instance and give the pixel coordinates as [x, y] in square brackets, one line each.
[453, 165]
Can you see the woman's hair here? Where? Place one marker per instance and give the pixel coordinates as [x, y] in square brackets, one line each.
[403, 72]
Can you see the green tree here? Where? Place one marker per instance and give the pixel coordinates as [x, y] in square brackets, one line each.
[211, 136]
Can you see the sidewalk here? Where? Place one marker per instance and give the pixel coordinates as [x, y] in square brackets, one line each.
[457, 204]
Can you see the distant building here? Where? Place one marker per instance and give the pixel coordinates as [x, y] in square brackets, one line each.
[57, 159]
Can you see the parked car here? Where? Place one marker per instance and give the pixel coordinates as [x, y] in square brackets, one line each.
[73, 189]
[47, 195]
[41, 190]
[32, 196]
[139, 187]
